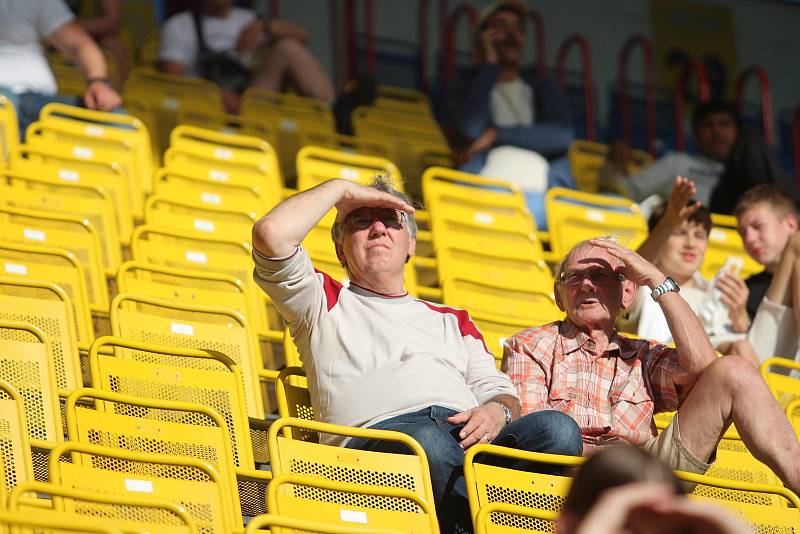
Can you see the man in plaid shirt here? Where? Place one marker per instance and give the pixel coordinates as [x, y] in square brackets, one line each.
[612, 385]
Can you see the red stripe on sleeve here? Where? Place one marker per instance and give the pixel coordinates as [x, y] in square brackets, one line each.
[465, 324]
[332, 289]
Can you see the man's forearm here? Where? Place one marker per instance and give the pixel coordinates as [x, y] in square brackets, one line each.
[88, 57]
[509, 402]
[280, 231]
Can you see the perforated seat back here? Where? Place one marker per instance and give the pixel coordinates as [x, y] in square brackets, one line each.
[194, 217]
[15, 451]
[535, 307]
[180, 186]
[523, 273]
[47, 307]
[71, 233]
[26, 364]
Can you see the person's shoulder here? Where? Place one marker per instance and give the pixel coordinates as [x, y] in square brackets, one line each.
[177, 21]
[243, 14]
[534, 333]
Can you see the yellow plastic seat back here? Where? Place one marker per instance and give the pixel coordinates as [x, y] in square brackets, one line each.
[294, 400]
[26, 364]
[489, 484]
[317, 164]
[781, 377]
[725, 242]
[284, 525]
[27, 191]
[177, 185]
[188, 482]
[15, 452]
[9, 127]
[349, 144]
[496, 329]
[586, 159]
[382, 489]
[48, 307]
[67, 232]
[522, 273]
[25, 523]
[191, 326]
[228, 124]
[54, 265]
[573, 216]
[189, 216]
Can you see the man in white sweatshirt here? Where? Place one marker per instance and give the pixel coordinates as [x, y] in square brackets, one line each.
[376, 357]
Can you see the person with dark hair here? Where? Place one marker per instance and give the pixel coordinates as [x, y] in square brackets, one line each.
[507, 122]
[378, 358]
[716, 128]
[676, 245]
[624, 489]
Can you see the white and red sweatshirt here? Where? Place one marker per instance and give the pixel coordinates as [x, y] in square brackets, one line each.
[369, 357]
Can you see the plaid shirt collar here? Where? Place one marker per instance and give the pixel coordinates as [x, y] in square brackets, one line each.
[572, 339]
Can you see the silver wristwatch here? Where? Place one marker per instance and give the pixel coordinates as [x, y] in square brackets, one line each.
[506, 411]
[667, 285]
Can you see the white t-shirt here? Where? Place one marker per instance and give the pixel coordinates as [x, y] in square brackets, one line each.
[658, 178]
[512, 103]
[179, 41]
[23, 23]
[370, 357]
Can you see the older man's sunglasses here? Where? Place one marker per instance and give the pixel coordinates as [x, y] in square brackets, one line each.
[363, 218]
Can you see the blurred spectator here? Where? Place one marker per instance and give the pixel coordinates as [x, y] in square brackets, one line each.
[25, 76]
[232, 35]
[612, 385]
[622, 489]
[106, 27]
[716, 127]
[676, 245]
[504, 121]
[766, 219]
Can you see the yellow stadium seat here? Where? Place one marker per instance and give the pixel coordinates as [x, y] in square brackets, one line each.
[587, 157]
[317, 164]
[292, 115]
[168, 94]
[49, 308]
[144, 111]
[9, 127]
[402, 99]
[193, 217]
[68, 232]
[345, 143]
[26, 364]
[36, 262]
[56, 163]
[25, 523]
[483, 297]
[785, 388]
[110, 127]
[131, 513]
[177, 324]
[535, 520]
[177, 185]
[383, 490]
[69, 78]
[189, 482]
[489, 484]
[228, 124]
[28, 191]
[205, 377]
[15, 454]
[724, 242]
[294, 400]
[496, 329]
[767, 508]
[573, 216]
[283, 525]
[509, 271]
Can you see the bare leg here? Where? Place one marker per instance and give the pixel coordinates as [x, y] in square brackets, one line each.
[732, 390]
[290, 58]
[119, 51]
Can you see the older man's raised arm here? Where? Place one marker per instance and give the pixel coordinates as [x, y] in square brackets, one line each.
[279, 232]
[695, 351]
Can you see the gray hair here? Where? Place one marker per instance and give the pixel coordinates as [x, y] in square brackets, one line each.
[382, 183]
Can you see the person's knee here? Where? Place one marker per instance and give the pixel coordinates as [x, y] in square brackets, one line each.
[287, 47]
[553, 432]
[732, 372]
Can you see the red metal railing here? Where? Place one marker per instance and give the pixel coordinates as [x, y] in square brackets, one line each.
[538, 36]
[624, 99]
[678, 98]
[588, 92]
[422, 41]
[449, 45]
[351, 46]
[796, 145]
[765, 93]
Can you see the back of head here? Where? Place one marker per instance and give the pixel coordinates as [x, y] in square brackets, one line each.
[612, 467]
[767, 194]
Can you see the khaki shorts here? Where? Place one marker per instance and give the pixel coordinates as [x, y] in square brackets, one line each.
[669, 448]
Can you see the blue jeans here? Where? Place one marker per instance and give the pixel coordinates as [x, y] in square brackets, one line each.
[29, 104]
[547, 431]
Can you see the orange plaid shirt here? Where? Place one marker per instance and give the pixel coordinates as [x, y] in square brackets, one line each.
[612, 395]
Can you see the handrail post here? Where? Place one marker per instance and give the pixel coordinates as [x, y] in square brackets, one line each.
[765, 97]
[796, 144]
[624, 98]
[588, 92]
[703, 91]
[449, 38]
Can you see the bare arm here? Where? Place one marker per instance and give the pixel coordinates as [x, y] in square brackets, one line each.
[694, 349]
[678, 210]
[108, 23]
[280, 231]
[74, 43]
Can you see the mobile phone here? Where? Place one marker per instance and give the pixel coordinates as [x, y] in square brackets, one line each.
[733, 265]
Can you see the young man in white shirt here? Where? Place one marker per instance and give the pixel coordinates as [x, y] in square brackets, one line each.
[376, 357]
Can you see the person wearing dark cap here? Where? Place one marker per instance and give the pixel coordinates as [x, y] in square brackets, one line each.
[497, 104]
